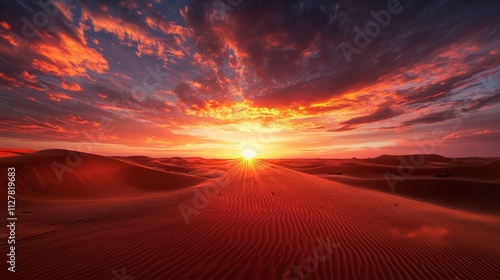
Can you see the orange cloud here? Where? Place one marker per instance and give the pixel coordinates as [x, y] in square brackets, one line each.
[71, 86]
[27, 81]
[80, 120]
[63, 55]
[65, 9]
[27, 77]
[10, 80]
[71, 127]
[453, 135]
[5, 25]
[54, 96]
[14, 41]
[166, 27]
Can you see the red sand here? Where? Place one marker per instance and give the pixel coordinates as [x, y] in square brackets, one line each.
[471, 185]
[262, 222]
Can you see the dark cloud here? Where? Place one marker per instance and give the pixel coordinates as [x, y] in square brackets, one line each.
[291, 52]
[432, 118]
[382, 113]
[485, 101]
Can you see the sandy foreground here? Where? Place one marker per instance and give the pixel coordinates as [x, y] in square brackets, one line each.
[144, 218]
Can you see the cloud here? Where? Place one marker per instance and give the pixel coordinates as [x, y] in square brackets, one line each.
[432, 118]
[133, 28]
[23, 80]
[266, 64]
[382, 113]
[289, 57]
[55, 96]
[71, 86]
[485, 101]
[27, 77]
[61, 55]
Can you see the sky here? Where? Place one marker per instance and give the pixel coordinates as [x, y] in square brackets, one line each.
[329, 79]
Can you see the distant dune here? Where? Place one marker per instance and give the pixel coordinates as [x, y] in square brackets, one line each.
[58, 174]
[395, 160]
[469, 185]
[9, 152]
[129, 218]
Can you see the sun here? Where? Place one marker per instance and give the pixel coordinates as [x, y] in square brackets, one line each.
[248, 153]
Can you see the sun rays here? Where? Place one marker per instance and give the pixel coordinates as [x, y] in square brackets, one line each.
[249, 154]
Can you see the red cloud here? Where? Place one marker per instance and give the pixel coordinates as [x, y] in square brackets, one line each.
[5, 25]
[80, 120]
[65, 9]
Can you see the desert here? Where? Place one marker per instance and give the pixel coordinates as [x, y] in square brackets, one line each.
[253, 219]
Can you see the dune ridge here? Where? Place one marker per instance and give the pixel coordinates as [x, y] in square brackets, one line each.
[396, 159]
[56, 174]
[464, 184]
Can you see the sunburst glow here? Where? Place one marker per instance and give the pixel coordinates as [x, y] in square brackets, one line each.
[248, 153]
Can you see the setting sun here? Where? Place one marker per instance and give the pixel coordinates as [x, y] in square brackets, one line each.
[248, 154]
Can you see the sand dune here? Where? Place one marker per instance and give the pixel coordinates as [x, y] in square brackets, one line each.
[395, 160]
[256, 221]
[61, 174]
[462, 184]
